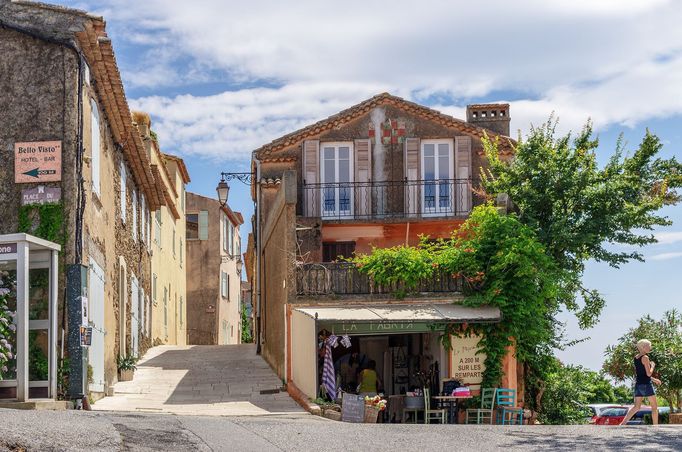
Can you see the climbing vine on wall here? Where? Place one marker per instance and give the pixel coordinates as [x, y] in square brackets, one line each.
[501, 263]
[45, 221]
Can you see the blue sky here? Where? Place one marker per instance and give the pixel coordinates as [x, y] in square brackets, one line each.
[220, 78]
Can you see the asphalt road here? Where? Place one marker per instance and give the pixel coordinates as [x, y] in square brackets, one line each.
[109, 431]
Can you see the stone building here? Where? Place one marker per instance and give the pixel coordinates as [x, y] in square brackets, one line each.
[59, 83]
[214, 272]
[379, 174]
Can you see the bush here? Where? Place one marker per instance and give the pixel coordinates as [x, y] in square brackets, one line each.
[663, 418]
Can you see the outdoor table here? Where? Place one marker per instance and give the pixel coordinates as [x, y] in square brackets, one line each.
[451, 402]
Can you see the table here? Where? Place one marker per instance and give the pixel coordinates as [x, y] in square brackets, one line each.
[451, 401]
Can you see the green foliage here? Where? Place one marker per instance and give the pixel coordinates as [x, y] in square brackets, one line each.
[45, 221]
[567, 395]
[126, 362]
[663, 418]
[246, 326]
[38, 366]
[576, 208]
[666, 340]
[63, 371]
[154, 136]
[502, 265]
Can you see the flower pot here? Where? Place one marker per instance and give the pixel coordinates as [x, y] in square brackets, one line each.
[371, 414]
[125, 375]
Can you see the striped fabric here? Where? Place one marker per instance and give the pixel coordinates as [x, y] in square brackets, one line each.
[328, 373]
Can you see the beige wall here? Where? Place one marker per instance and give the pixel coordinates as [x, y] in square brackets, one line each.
[304, 353]
[169, 261]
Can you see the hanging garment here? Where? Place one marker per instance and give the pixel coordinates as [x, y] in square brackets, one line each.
[328, 372]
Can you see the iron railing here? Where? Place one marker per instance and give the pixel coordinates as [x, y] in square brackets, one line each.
[344, 278]
[387, 199]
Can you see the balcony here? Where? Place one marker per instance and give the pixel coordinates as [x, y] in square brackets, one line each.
[343, 278]
[387, 199]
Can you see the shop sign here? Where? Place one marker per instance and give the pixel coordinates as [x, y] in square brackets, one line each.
[38, 161]
[407, 327]
[352, 408]
[467, 364]
[8, 248]
[41, 195]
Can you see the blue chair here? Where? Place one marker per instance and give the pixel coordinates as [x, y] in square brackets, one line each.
[508, 412]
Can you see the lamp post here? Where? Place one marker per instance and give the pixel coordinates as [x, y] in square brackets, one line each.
[223, 189]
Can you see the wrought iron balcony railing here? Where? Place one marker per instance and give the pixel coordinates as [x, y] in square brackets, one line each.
[387, 199]
[343, 278]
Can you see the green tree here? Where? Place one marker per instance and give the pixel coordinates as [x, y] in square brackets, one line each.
[246, 326]
[666, 340]
[577, 208]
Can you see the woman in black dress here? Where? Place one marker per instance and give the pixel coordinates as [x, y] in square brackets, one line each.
[644, 368]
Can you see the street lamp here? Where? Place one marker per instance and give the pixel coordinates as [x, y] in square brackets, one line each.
[223, 188]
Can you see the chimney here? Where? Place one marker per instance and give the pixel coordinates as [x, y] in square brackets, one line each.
[494, 117]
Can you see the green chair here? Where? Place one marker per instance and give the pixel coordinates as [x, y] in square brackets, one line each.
[509, 413]
[429, 414]
[485, 412]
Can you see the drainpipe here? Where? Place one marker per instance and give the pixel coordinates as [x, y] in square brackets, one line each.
[258, 255]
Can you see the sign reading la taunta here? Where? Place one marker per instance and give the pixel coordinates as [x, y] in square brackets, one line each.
[38, 161]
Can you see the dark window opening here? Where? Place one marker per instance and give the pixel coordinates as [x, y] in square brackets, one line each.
[193, 226]
[334, 251]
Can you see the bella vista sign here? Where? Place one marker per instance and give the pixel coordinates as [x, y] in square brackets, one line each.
[37, 161]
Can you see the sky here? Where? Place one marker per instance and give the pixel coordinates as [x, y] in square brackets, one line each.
[221, 78]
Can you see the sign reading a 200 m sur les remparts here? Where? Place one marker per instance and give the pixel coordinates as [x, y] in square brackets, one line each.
[38, 161]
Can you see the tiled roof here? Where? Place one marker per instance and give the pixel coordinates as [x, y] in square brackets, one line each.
[345, 116]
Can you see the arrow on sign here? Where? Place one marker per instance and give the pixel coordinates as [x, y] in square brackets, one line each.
[35, 172]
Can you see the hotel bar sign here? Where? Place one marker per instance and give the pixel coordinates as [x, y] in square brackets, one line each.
[37, 161]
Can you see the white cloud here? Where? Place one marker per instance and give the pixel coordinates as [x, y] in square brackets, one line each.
[616, 62]
[665, 256]
[668, 237]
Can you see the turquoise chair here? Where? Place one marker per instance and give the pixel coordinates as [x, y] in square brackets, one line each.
[508, 412]
[485, 412]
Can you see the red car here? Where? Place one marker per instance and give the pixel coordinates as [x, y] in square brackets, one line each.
[614, 416]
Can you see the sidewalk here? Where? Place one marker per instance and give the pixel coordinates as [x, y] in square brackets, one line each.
[220, 380]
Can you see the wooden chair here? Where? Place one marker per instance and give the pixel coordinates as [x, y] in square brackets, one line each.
[429, 414]
[485, 412]
[509, 413]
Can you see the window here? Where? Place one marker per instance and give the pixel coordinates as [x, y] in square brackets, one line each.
[95, 147]
[124, 203]
[437, 168]
[192, 226]
[181, 310]
[224, 284]
[337, 169]
[134, 194]
[225, 234]
[174, 243]
[181, 258]
[182, 198]
[157, 227]
[165, 311]
[143, 219]
[231, 239]
[154, 288]
[332, 251]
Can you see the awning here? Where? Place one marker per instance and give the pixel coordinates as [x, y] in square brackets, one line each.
[387, 319]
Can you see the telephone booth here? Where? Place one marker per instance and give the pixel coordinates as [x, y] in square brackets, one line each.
[28, 289]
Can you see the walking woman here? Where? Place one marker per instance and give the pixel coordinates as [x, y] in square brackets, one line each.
[644, 368]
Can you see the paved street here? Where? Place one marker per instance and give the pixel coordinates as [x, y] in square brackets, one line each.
[110, 431]
[220, 380]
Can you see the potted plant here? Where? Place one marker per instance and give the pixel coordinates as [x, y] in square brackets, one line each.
[126, 367]
[373, 406]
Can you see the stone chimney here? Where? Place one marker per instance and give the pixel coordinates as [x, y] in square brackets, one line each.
[491, 116]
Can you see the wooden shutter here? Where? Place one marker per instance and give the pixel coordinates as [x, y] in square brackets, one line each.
[123, 191]
[412, 174]
[363, 176]
[463, 175]
[203, 225]
[96, 147]
[311, 170]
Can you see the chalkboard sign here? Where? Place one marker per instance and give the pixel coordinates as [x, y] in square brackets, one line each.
[352, 408]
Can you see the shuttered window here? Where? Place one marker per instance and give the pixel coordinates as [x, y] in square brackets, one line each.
[95, 147]
[124, 203]
[203, 225]
[223, 284]
[463, 173]
[134, 195]
[143, 219]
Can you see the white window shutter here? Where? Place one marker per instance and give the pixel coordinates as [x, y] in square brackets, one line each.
[95, 147]
[463, 174]
[203, 225]
[311, 168]
[134, 196]
[123, 192]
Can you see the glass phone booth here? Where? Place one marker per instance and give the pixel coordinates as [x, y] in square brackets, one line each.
[28, 289]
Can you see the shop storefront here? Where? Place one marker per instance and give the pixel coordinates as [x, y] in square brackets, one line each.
[402, 342]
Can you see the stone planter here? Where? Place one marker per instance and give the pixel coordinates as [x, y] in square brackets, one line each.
[125, 375]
